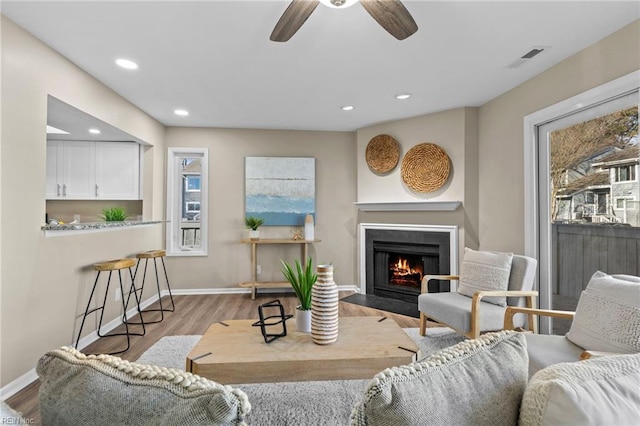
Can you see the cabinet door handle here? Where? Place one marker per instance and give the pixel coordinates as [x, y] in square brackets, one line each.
[64, 190]
[97, 193]
[58, 189]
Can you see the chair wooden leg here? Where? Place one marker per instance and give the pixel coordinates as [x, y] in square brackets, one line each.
[423, 324]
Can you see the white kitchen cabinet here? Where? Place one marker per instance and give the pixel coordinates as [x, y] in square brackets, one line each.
[78, 170]
[84, 170]
[117, 171]
[70, 170]
[54, 170]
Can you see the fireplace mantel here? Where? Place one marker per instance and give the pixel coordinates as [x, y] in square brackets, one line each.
[400, 206]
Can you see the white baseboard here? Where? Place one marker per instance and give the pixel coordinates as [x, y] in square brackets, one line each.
[18, 384]
[30, 376]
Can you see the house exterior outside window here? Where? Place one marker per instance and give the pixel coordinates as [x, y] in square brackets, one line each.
[187, 177]
[603, 189]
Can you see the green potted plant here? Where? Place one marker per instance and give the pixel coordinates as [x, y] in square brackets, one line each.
[252, 223]
[114, 214]
[302, 281]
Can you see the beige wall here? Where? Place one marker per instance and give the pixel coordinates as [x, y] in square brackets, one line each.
[44, 280]
[501, 153]
[229, 262]
[456, 132]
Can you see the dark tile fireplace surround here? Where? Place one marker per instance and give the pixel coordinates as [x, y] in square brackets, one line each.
[395, 260]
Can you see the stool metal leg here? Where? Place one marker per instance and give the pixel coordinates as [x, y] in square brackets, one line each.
[162, 309]
[125, 306]
[173, 306]
[87, 311]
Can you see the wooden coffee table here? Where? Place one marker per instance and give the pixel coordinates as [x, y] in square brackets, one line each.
[237, 353]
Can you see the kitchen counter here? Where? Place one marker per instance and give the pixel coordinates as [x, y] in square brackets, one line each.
[88, 227]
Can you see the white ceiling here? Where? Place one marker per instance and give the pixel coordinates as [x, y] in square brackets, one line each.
[214, 58]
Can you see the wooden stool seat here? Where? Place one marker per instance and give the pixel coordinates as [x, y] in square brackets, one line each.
[151, 254]
[114, 265]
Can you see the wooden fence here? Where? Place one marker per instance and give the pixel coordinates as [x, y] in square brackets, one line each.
[581, 250]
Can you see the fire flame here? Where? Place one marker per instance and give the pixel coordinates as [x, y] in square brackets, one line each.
[402, 267]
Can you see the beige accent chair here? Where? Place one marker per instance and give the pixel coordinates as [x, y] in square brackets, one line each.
[470, 316]
[606, 322]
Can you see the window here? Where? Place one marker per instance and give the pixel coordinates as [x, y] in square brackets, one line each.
[192, 183]
[621, 203]
[625, 173]
[193, 206]
[588, 196]
[187, 177]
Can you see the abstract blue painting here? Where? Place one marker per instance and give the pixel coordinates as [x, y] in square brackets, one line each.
[280, 190]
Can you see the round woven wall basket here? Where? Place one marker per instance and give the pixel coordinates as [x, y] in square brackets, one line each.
[425, 167]
[383, 153]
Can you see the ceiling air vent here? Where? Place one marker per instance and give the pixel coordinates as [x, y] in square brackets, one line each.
[530, 54]
[526, 57]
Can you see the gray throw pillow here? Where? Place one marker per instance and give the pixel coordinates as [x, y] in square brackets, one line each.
[599, 391]
[78, 389]
[484, 270]
[608, 315]
[476, 382]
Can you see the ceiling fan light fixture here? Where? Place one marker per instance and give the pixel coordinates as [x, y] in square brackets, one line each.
[338, 4]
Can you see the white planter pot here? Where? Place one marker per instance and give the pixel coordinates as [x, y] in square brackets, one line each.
[303, 320]
[254, 235]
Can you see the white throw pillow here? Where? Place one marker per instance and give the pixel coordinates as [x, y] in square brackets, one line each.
[608, 315]
[483, 270]
[599, 391]
[479, 381]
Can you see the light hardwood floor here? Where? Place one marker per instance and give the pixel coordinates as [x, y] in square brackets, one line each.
[193, 315]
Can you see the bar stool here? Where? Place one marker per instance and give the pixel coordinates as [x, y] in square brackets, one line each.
[153, 254]
[113, 265]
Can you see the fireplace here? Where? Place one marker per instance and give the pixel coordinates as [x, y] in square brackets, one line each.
[394, 258]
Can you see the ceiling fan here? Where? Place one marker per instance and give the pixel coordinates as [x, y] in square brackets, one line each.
[390, 14]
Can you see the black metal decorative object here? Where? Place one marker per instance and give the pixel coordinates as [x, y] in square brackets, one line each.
[272, 320]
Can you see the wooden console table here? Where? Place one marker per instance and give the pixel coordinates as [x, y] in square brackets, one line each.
[254, 283]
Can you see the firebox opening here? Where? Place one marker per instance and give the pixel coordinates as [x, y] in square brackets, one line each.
[406, 270]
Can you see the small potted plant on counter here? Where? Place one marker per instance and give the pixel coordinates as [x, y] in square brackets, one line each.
[302, 281]
[253, 223]
[114, 214]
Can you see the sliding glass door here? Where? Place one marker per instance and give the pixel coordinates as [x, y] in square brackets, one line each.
[588, 199]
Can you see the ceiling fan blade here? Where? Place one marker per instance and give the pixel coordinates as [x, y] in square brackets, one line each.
[392, 16]
[292, 19]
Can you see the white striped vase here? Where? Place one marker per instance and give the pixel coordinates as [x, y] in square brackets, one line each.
[324, 307]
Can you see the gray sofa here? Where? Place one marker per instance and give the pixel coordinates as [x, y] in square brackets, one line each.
[478, 381]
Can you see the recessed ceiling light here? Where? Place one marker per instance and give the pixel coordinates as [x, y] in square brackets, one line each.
[181, 112]
[127, 64]
[55, 131]
[403, 96]
[347, 108]
[94, 131]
